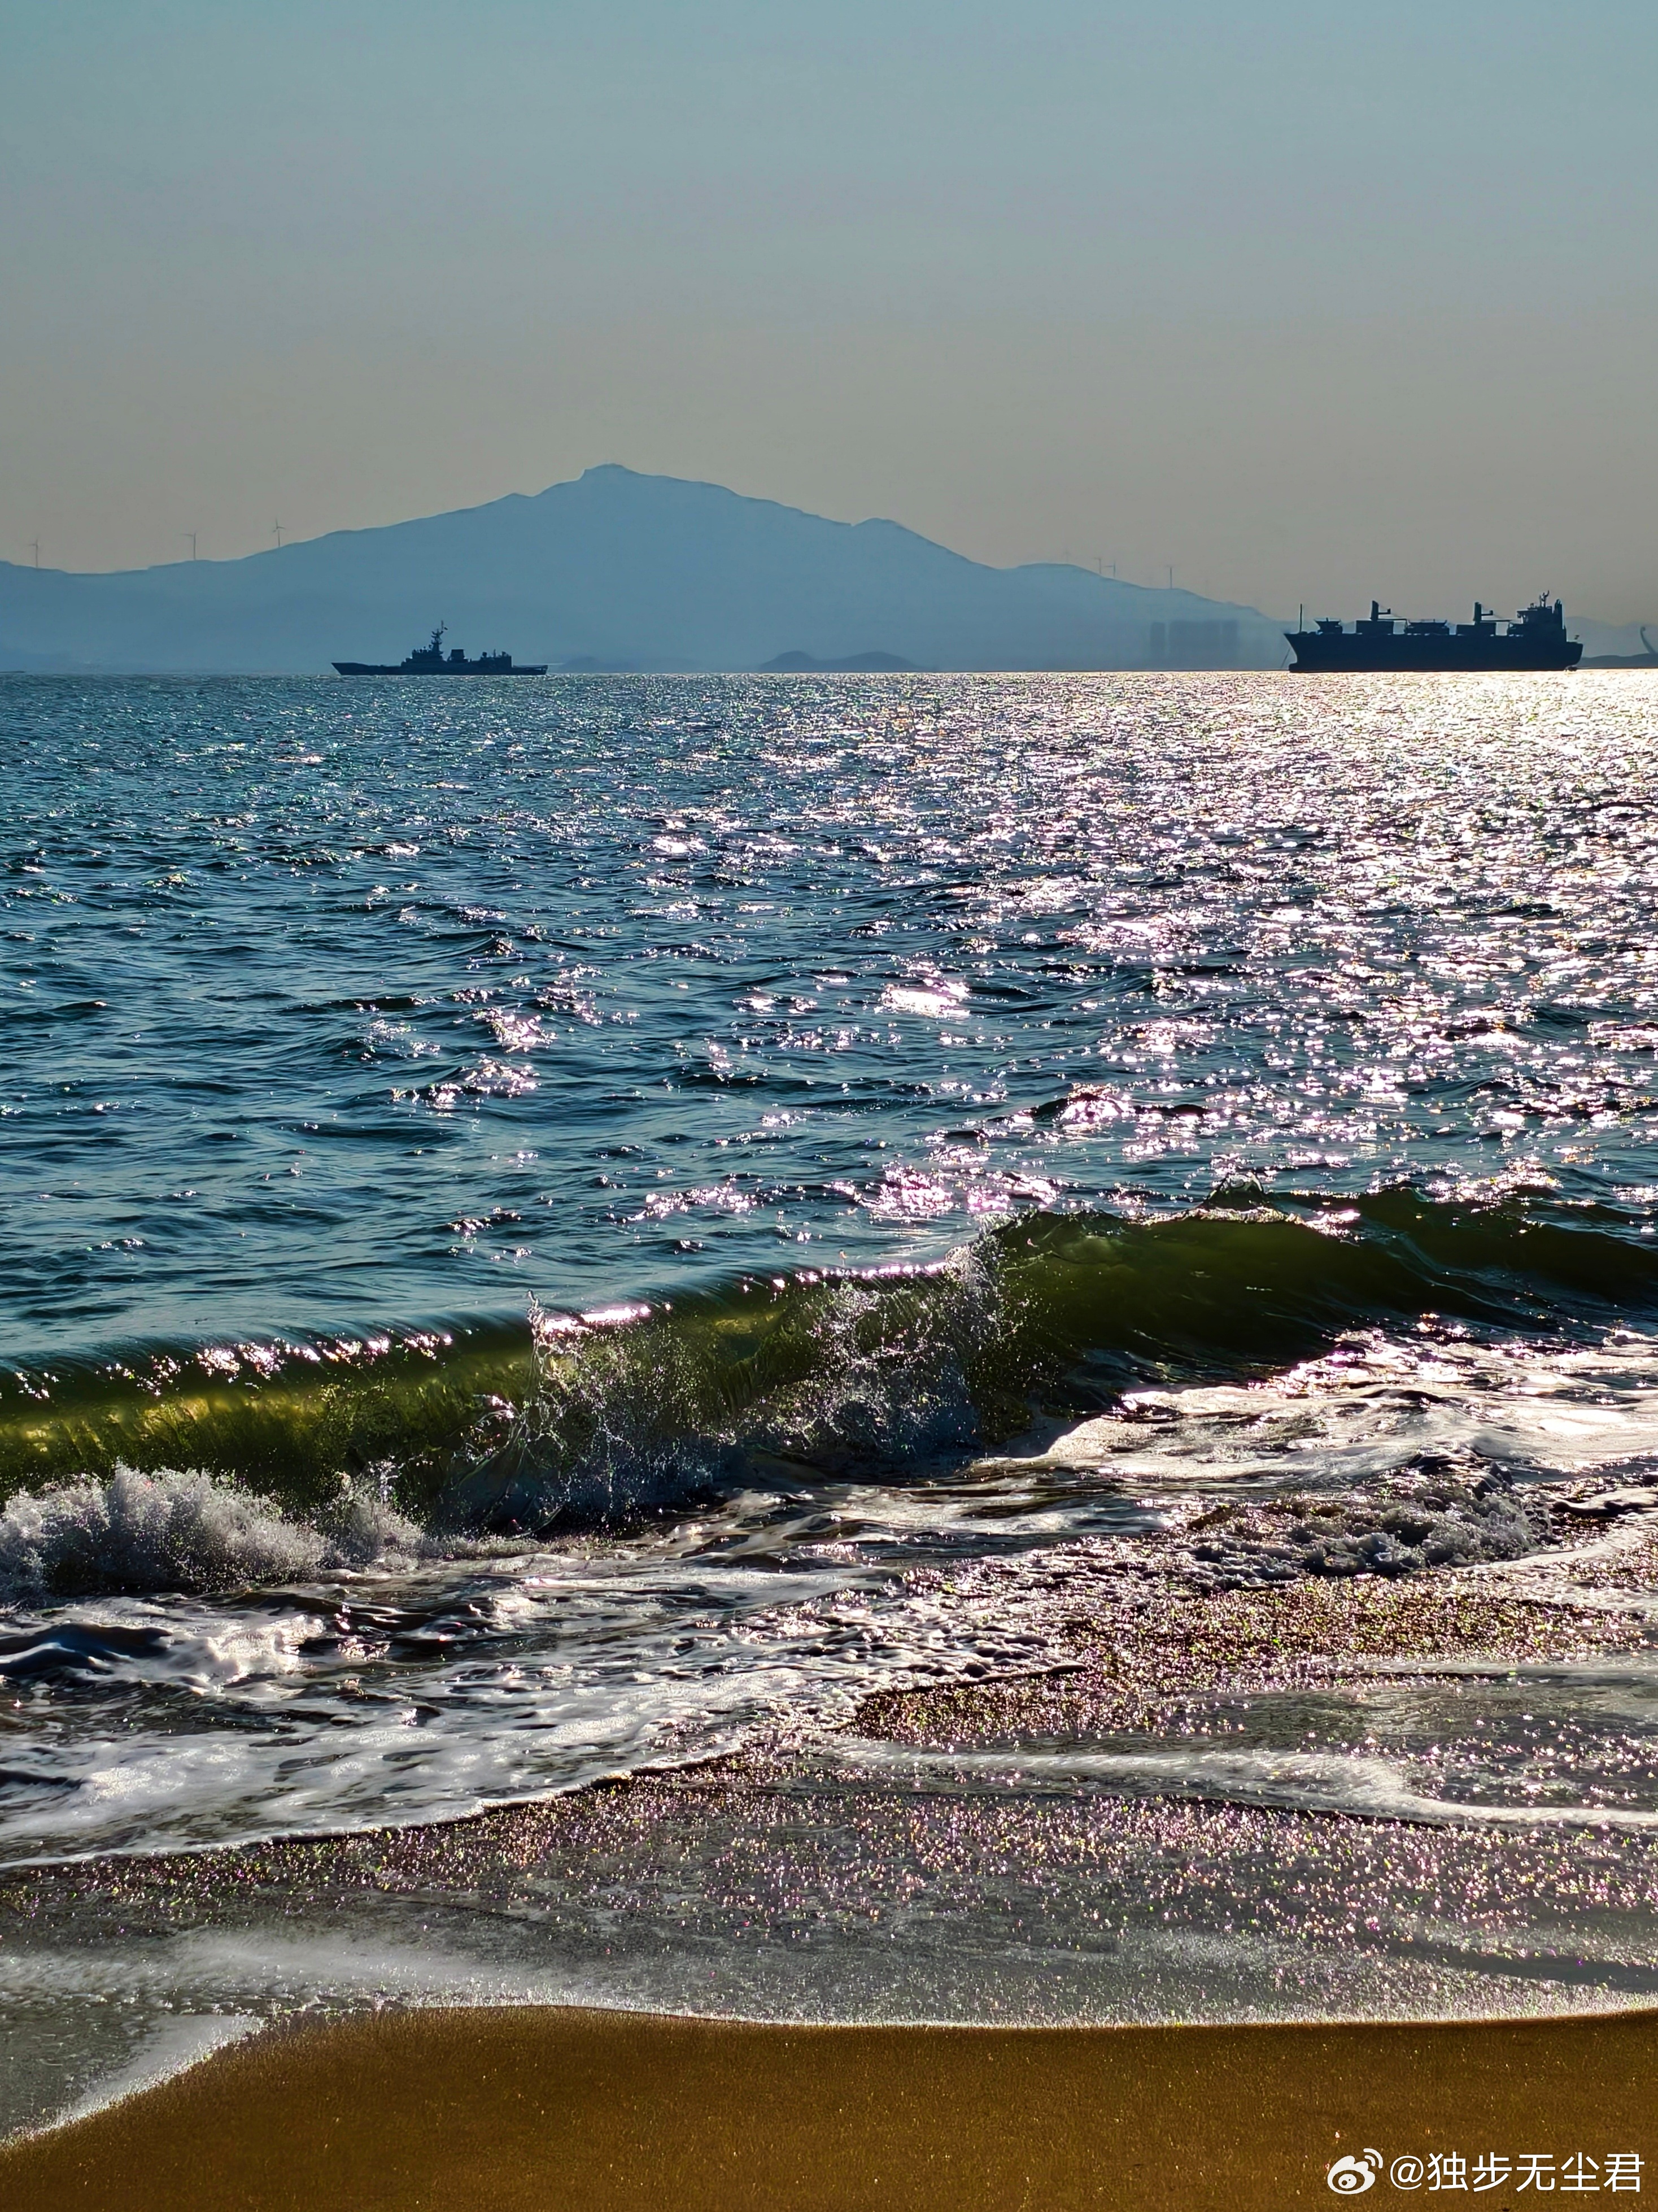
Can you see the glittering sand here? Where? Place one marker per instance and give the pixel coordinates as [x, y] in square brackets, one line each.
[1141, 1643]
[546, 2104]
[513, 2107]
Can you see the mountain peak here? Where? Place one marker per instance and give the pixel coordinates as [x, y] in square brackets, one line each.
[617, 567]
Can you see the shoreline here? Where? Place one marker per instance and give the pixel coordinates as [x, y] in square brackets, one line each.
[547, 2106]
[794, 1871]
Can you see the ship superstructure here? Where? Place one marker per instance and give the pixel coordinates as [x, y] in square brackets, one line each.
[432, 660]
[1536, 638]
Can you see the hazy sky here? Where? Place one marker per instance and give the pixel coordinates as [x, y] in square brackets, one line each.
[1312, 301]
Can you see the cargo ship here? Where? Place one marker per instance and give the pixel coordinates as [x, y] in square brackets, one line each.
[432, 660]
[1536, 638]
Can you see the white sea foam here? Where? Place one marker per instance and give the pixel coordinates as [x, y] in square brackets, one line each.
[1419, 1518]
[180, 1530]
[417, 1680]
[1324, 1782]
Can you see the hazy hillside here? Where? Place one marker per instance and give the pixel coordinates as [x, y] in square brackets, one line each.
[618, 569]
[1624, 639]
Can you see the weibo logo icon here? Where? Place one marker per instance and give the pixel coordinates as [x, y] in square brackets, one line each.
[1352, 2177]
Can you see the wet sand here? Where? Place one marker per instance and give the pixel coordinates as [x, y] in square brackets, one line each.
[513, 2107]
[543, 2106]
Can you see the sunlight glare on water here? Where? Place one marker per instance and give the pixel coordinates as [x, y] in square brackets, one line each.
[468, 1150]
[335, 1007]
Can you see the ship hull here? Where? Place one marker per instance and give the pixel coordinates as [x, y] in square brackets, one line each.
[384, 668]
[1321, 655]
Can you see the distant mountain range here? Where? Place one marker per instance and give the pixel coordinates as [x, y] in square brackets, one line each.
[616, 570]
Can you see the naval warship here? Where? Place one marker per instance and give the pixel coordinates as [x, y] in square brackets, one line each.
[432, 660]
[1536, 638]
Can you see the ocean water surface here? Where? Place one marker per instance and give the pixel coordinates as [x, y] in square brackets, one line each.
[562, 1230]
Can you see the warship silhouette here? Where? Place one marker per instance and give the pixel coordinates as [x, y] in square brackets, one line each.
[432, 660]
[1536, 638]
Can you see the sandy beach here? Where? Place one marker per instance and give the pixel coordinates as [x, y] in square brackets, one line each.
[534, 2107]
[435, 2104]
[828, 1344]
[1053, 1610]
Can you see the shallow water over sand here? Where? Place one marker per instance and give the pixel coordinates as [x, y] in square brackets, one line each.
[564, 1230]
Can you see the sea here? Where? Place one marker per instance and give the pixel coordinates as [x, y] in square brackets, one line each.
[562, 1235]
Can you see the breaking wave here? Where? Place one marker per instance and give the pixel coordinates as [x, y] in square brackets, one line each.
[198, 1469]
[191, 1531]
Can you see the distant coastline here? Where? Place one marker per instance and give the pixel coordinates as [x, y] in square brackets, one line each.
[797, 663]
[614, 573]
[617, 572]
